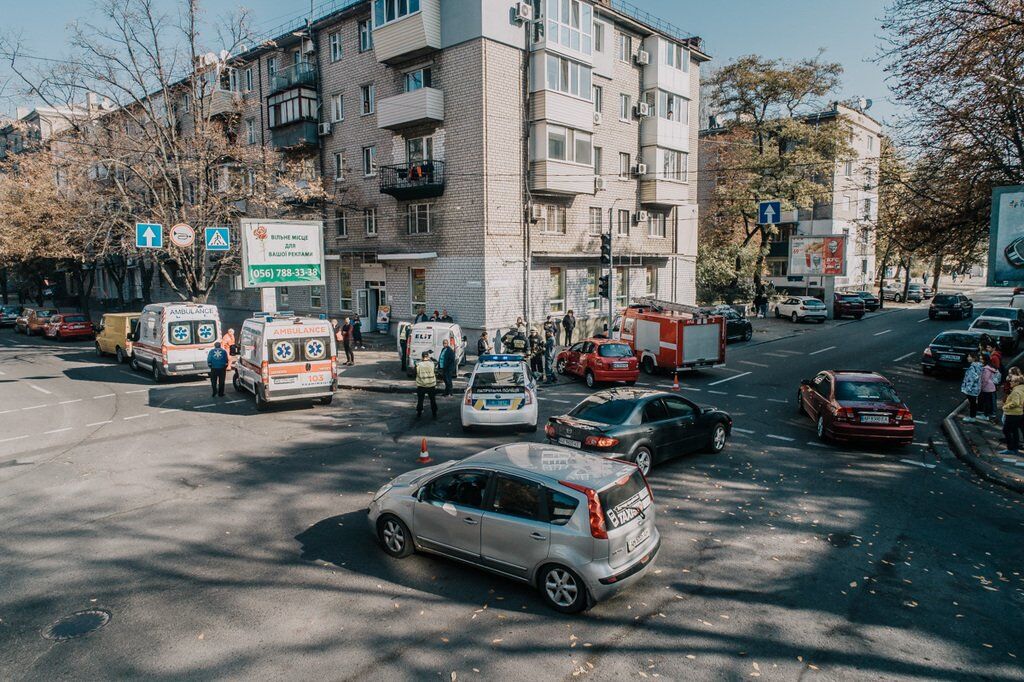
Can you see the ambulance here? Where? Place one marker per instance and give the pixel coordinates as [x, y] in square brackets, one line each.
[281, 357]
[501, 392]
[671, 337]
[173, 339]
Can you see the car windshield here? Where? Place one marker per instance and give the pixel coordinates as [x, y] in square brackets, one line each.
[991, 325]
[943, 299]
[74, 318]
[866, 390]
[915, 287]
[954, 339]
[850, 297]
[45, 313]
[813, 303]
[614, 350]
[1008, 313]
[499, 379]
[604, 409]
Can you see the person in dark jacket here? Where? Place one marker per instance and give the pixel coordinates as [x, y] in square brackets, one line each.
[346, 341]
[536, 353]
[549, 358]
[549, 325]
[445, 317]
[568, 326]
[357, 332]
[484, 345]
[217, 361]
[421, 316]
[446, 363]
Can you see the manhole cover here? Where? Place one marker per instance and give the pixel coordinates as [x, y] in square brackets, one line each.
[840, 539]
[78, 624]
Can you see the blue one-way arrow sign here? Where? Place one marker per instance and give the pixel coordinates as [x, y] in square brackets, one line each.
[149, 235]
[218, 239]
[769, 212]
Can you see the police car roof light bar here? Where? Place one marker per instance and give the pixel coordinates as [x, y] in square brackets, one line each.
[512, 357]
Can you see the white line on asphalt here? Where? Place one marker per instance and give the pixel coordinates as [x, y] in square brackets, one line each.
[242, 400]
[816, 444]
[918, 464]
[34, 407]
[920, 421]
[105, 395]
[776, 355]
[925, 319]
[98, 423]
[748, 397]
[6, 411]
[753, 364]
[554, 400]
[922, 445]
[772, 435]
[722, 381]
[68, 402]
[790, 352]
[776, 400]
[166, 411]
[66, 428]
[739, 430]
[718, 392]
[884, 331]
[41, 390]
[136, 416]
[689, 388]
[904, 357]
[8, 440]
[199, 407]
[138, 390]
[822, 350]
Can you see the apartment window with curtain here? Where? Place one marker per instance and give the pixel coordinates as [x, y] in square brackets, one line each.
[418, 288]
[674, 165]
[419, 149]
[369, 161]
[656, 225]
[624, 48]
[370, 221]
[593, 298]
[368, 93]
[572, 78]
[623, 222]
[677, 56]
[335, 42]
[624, 166]
[570, 23]
[556, 292]
[271, 66]
[386, 11]
[673, 107]
[417, 79]
[621, 287]
[566, 144]
[555, 221]
[365, 36]
[337, 107]
[339, 166]
[596, 225]
[625, 107]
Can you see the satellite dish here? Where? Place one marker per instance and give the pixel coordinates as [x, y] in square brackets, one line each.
[224, 54]
[867, 104]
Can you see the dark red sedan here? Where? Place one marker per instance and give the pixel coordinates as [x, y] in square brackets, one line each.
[69, 326]
[856, 405]
[599, 361]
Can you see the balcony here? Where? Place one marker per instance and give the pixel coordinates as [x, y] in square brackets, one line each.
[418, 180]
[296, 135]
[425, 105]
[222, 102]
[550, 176]
[410, 36]
[662, 192]
[292, 76]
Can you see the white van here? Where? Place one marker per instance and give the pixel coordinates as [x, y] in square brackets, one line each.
[173, 339]
[429, 336]
[284, 357]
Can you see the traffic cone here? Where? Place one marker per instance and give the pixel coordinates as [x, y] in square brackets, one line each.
[675, 381]
[424, 455]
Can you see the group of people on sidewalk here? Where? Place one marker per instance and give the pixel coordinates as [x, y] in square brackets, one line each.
[349, 335]
[981, 383]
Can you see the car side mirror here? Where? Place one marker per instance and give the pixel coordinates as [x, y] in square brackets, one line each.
[233, 349]
[133, 337]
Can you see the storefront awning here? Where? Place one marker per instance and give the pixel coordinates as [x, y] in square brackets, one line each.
[425, 255]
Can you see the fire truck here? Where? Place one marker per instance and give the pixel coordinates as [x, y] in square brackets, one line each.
[671, 337]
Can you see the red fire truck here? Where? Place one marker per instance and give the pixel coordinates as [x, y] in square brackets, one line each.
[671, 337]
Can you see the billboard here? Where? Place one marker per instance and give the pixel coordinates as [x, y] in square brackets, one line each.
[279, 253]
[821, 255]
[1006, 236]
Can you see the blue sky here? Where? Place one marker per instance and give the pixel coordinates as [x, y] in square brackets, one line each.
[790, 29]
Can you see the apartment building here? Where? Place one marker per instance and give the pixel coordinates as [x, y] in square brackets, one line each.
[41, 124]
[849, 205]
[473, 151]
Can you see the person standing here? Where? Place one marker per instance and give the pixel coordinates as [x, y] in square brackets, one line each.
[445, 317]
[346, 341]
[549, 325]
[536, 353]
[357, 332]
[549, 358]
[421, 316]
[446, 363]
[484, 345]
[217, 361]
[1013, 416]
[971, 385]
[568, 326]
[987, 397]
[436, 317]
[426, 384]
[995, 356]
[226, 342]
[403, 343]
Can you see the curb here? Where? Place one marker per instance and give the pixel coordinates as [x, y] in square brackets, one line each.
[961, 448]
[375, 386]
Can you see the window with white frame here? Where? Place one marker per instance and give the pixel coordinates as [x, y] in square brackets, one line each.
[598, 97]
[570, 23]
[292, 105]
[869, 177]
[190, 192]
[596, 225]
[367, 94]
[250, 83]
[556, 290]
[339, 165]
[848, 169]
[419, 149]
[656, 225]
[250, 131]
[316, 296]
[673, 107]
[572, 78]
[598, 158]
[386, 11]
[621, 287]
[417, 79]
[598, 37]
[555, 220]
[623, 222]
[236, 283]
[593, 297]
[624, 48]
[651, 288]
[871, 143]
[370, 221]
[365, 36]
[676, 56]
[418, 219]
[186, 104]
[418, 288]
[335, 42]
[624, 166]
[342, 219]
[625, 107]
[674, 165]
[271, 66]
[566, 144]
[867, 208]
[369, 161]
[337, 107]
[282, 295]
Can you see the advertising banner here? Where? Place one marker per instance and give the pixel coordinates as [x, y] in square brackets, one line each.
[279, 253]
[1006, 236]
[823, 255]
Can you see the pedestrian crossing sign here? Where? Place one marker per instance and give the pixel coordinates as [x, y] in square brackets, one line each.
[218, 239]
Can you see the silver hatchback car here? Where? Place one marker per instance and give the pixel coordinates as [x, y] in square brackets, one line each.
[577, 526]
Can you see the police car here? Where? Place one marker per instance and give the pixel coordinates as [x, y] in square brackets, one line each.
[501, 392]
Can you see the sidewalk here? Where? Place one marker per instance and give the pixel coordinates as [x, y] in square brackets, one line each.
[978, 445]
[378, 369]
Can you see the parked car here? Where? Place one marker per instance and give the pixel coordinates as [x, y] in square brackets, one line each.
[951, 305]
[918, 292]
[800, 308]
[9, 315]
[37, 319]
[21, 321]
[948, 351]
[871, 302]
[847, 305]
[642, 426]
[856, 405]
[926, 290]
[1014, 315]
[66, 326]
[599, 361]
[894, 292]
[114, 335]
[1000, 329]
[578, 528]
[737, 326]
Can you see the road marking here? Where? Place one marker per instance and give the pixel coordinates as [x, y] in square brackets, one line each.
[918, 464]
[554, 400]
[98, 423]
[138, 390]
[66, 428]
[884, 331]
[817, 444]
[6, 411]
[921, 445]
[776, 400]
[924, 319]
[68, 402]
[718, 392]
[41, 390]
[776, 355]
[722, 381]
[772, 435]
[753, 364]
[822, 350]
[790, 352]
[136, 416]
[243, 400]
[748, 397]
[920, 421]
[689, 388]
[105, 395]
[34, 407]
[739, 430]
[904, 357]
[199, 407]
[2, 373]
[8, 440]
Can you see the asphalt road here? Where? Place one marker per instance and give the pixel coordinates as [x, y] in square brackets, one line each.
[226, 543]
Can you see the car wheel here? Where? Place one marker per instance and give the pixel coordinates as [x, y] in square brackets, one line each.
[631, 383]
[898, 298]
[821, 320]
[718, 438]
[466, 428]
[236, 382]
[926, 370]
[859, 317]
[648, 365]
[642, 459]
[261, 402]
[394, 536]
[589, 379]
[134, 364]
[931, 315]
[327, 400]
[562, 589]
[99, 351]
[560, 367]
[158, 376]
[532, 428]
[794, 317]
[119, 354]
[821, 429]
[749, 334]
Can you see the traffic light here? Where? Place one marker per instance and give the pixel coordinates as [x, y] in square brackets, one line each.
[606, 249]
[602, 286]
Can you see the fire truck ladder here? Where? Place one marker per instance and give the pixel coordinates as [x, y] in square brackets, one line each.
[671, 306]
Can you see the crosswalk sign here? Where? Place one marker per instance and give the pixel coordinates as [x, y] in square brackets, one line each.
[218, 239]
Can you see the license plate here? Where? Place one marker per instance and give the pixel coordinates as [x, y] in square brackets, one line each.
[874, 419]
[284, 380]
[638, 539]
[951, 358]
[569, 442]
[498, 403]
[620, 365]
[186, 366]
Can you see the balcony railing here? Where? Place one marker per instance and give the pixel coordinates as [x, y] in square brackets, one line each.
[295, 135]
[417, 180]
[302, 73]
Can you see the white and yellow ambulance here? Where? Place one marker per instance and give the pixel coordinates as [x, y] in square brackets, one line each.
[173, 339]
[284, 357]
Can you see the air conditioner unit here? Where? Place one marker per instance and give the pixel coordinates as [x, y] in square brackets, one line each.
[307, 46]
[598, 118]
[523, 12]
[642, 109]
[536, 213]
[640, 169]
[643, 57]
[323, 129]
[641, 217]
[599, 183]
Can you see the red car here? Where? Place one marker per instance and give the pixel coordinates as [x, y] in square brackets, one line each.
[856, 405]
[69, 326]
[599, 360]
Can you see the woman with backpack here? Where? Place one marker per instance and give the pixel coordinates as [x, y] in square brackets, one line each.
[971, 385]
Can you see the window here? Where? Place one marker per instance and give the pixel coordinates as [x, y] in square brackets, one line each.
[867, 209]
[654, 411]
[370, 221]
[777, 267]
[869, 177]
[516, 497]
[293, 105]
[339, 166]
[337, 108]
[369, 161]
[250, 131]
[678, 408]
[367, 94]
[560, 507]
[418, 288]
[418, 219]
[572, 78]
[236, 283]
[419, 149]
[566, 144]
[418, 79]
[190, 192]
[282, 295]
[555, 221]
[624, 49]
[271, 66]
[342, 218]
[316, 297]
[570, 23]
[656, 225]
[365, 36]
[556, 142]
[598, 97]
[848, 169]
[624, 166]
[556, 290]
[385, 11]
[335, 41]
[598, 158]
[623, 225]
[598, 37]
[673, 107]
[593, 298]
[625, 107]
[676, 56]
[674, 165]
[871, 143]
[250, 84]
[651, 280]
[186, 105]
[345, 288]
[621, 286]
[465, 488]
[596, 220]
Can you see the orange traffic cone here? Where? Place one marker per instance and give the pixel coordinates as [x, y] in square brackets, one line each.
[424, 455]
[675, 381]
